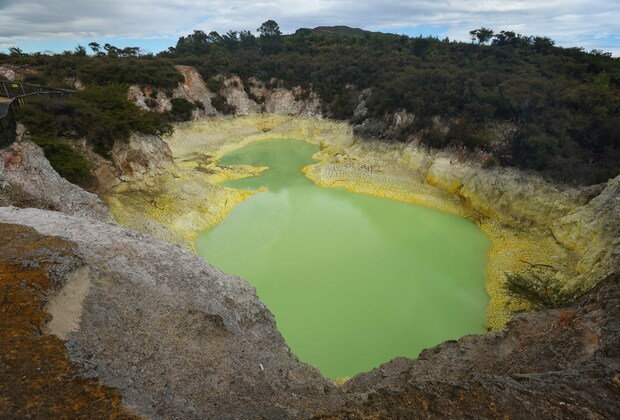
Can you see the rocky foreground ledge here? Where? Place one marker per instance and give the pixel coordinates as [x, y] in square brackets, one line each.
[158, 327]
[177, 337]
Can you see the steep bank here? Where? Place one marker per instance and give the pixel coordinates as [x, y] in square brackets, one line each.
[177, 203]
[522, 214]
[28, 180]
[228, 95]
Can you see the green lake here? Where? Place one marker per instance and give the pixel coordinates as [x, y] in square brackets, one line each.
[353, 280]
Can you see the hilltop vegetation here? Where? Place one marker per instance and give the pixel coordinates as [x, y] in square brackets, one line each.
[101, 112]
[101, 68]
[562, 104]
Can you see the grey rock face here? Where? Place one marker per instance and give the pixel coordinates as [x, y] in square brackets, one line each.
[194, 89]
[14, 72]
[142, 156]
[236, 96]
[595, 228]
[28, 180]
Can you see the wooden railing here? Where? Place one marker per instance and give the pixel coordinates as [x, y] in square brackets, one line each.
[13, 94]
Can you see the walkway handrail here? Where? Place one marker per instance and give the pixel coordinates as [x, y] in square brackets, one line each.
[17, 92]
[10, 89]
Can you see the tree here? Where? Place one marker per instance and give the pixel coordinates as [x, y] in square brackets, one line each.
[231, 40]
[269, 29]
[112, 50]
[129, 51]
[95, 47]
[270, 37]
[420, 46]
[247, 39]
[214, 37]
[80, 50]
[198, 37]
[196, 43]
[482, 35]
[600, 53]
[16, 52]
[504, 38]
[543, 44]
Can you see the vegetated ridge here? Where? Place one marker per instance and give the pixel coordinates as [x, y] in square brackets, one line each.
[519, 99]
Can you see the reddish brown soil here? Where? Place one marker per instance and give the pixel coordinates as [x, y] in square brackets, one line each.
[37, 378]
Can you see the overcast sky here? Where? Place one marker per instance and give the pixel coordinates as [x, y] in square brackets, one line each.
[38, 25]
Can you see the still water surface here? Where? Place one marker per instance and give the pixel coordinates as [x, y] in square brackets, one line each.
[353, 280]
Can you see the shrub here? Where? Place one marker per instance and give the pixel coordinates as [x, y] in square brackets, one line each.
[489, 161]
[255, 98]
[220, 104]
[214, 85]
[342, 107]
[435, 138]
[101, 114]
[182, 109]
[143, 71]
[150, 102]
[70, 164]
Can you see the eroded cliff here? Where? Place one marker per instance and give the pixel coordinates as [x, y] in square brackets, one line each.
[229, 95]
[28, 180]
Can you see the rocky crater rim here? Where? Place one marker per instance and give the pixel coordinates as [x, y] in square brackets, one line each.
[130, 324]
[148, 323]
[530, 222]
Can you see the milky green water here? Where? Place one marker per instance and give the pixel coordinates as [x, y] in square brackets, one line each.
[353, 280]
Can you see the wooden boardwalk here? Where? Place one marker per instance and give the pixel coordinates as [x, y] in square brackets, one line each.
[21, 92]
[4, 105]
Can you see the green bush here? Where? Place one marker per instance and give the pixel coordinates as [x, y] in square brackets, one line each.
[101, 114]
[182, 109]
[435, 138]
[342, 107]
[255, 98]
[66, 161]
[489, 162]
[114, 70]
[220, 104]
[214, 85]
[151, 103]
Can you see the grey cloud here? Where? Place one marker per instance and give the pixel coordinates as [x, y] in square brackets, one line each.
[579, 22]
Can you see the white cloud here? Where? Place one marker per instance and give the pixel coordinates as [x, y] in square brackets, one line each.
[588, 23]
